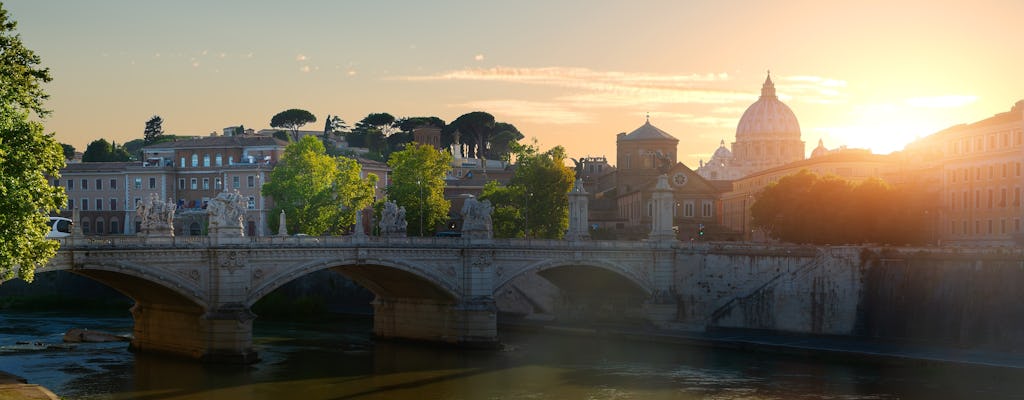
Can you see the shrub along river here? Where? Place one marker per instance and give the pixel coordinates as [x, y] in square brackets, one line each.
[338, 359]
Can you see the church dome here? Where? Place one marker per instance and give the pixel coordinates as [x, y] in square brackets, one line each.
[722, 153]
[768, 118]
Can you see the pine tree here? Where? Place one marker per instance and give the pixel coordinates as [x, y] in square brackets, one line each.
[154, 129]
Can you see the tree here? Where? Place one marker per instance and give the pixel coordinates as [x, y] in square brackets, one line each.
[102, 151]
[318, 193]
[69, 151]
[473, 129]
[292, 120]
[282, 135]
[154, 130]
[29, 158]
[134, 147]
[536, 201]
[334, 125]
[417, 183]
[806, 208]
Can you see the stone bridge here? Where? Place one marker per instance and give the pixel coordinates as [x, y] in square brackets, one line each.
[193, 294]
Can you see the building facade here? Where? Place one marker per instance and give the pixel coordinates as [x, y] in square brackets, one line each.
[979, 165]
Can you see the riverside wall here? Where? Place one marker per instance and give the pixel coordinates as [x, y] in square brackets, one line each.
[967, 298]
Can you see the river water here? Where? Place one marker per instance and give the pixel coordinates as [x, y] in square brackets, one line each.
[338, 359]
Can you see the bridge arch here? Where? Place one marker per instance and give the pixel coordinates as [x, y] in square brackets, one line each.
[143, 284]
[629, 274]
[385, 278]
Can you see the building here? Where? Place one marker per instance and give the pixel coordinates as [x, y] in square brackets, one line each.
[979, 170]
[621, 196]
[767, 136]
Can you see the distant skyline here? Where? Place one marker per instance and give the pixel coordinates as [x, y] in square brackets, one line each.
[865, 74]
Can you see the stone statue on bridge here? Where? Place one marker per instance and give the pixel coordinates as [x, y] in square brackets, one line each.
[226, 213]
[392, 220]
[476, 219]
[156, 216]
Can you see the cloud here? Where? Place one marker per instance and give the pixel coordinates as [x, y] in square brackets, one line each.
[950, 101]
[304, 69]
[478, 57]
[301, 57]
[531, 111]
[709, 121]
[811, 89]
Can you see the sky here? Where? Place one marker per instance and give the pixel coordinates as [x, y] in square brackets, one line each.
[863, 74]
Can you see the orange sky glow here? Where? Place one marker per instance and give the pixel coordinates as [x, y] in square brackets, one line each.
[865, 74]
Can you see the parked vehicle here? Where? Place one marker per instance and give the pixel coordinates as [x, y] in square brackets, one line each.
[59, 227]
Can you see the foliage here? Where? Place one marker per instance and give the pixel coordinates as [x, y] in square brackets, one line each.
[282, 135]
[317, 192]
[536, 202]
[407, 124]
[29, 158]
[154, 130]
[21, 76]
[806, 208]
[134, 146]
[292, 120]
[417, 183]
[473, 130]
[334, 125]
[69, 151]
[102, 151]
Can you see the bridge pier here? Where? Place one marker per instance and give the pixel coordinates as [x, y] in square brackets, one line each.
[467, 323]
[219, 336]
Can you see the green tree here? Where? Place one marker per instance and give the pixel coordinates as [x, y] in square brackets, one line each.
[154, 130]
[134, 147]
[317, 192]
[69, 151]
[292, 119]
[282, 135]
[536, 201]
[102, 151]
[417, 183]
[806, 208]
[474, 129]
[29, 158]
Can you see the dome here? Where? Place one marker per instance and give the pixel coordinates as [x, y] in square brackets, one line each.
[820, 150]
[768, 117]
[722, 153]
[648, 132]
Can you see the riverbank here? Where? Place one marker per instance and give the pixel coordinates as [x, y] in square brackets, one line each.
[825, 347]
[14, 387]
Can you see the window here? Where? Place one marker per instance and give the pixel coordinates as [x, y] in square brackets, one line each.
[218, 159]
[113, 204]
[234, 182]
[231, 160]
[251, 180]
[193, 183]
[206, 160]
[137, 202]
[85, 184]
[705, 209]
[138, 183]
[1002, 197]
[183, 162]
[99, 204]
[113, 183]
[181, 183]
[688, 209]
[71, 204]
[252, 202]
[85, 204]
[71, 184]
[115, 226]
[195, 160]
[85, 226]
[99, 184]
[152, 183]
[99, 225]
[206, 183]
[217, 184]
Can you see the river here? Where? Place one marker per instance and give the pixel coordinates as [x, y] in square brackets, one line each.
[339, 359]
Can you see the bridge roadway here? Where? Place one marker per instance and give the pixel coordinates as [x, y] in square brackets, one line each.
[193, 294]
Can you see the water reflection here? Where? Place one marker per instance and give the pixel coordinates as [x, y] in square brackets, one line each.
[339, 360]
